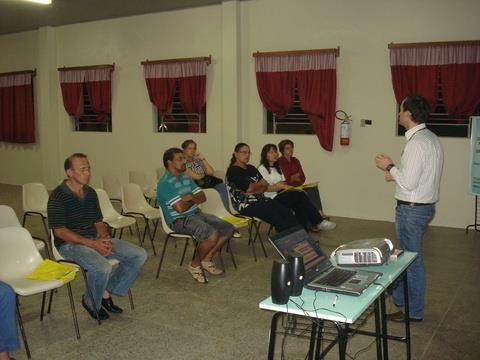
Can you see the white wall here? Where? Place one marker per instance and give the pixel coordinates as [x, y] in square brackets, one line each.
[231, 32]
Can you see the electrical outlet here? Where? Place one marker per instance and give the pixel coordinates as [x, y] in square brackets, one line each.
[364, 122]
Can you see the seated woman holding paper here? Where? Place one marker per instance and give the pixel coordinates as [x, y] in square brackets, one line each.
[294, 175]
[293, 198]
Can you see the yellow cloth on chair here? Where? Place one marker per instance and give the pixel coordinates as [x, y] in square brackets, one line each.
[52, 270]
[235, 220]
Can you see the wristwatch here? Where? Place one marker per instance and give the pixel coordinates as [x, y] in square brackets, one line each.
[389, 166]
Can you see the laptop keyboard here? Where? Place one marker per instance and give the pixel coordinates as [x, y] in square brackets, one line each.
[336, 277]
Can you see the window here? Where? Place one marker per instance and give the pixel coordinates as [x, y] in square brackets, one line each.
[89, 120]
[441, 123]
[296, 121]
[180, 121]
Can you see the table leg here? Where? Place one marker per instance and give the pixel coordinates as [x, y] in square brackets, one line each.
[342, 340]
[384, 325]
[313, 336]
[319, 339]
[407, 316]
[378, 332]
[271, 339]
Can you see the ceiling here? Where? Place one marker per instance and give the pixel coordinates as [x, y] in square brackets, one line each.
[19, 15]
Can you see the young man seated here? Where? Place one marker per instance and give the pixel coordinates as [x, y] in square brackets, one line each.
[179, 197]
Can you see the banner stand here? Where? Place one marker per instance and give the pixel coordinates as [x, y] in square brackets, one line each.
[476, 225]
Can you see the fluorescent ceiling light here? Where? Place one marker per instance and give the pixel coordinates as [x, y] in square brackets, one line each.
[43, 2]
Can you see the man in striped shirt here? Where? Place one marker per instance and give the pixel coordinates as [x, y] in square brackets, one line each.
[417, 180]
[179, 196]
[75, 217]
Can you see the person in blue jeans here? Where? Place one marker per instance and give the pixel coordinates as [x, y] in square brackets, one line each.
[8, 325]
[80, 235]
[417, 180]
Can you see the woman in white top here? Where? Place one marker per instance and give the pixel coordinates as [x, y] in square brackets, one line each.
[305, 212]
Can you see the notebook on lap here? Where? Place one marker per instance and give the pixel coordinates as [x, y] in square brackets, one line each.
[320, 274]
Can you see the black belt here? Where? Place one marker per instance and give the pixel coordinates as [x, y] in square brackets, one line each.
[401, 202]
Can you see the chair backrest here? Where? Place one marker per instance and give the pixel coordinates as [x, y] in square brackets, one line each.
[18, 254]
[108, 211]
[35, 197]
[213, 205]
[139, 178]
[8, 217]
[160, 171]
[56, 254]
[112, 186]
[165, 226]
[133, 199]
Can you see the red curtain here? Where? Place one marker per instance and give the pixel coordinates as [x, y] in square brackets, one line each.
[161, 92]
[317, 91]
[417, 70]
[191, 77]
[17, 120]
[71, 82]
[460, 88]
[316, 80]
[276, 90]
[193, 96]
[100, 92]
[418, 80]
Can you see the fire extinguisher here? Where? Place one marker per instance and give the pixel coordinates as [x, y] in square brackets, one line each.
[345, 127]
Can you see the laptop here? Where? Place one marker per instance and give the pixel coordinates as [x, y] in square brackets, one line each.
[320, 274]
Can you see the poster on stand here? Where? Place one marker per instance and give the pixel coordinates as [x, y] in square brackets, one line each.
[475, 155]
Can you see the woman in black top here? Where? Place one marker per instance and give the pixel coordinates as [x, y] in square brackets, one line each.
[247, 186]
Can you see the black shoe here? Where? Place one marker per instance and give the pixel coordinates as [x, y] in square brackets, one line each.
[400, 317]
[111, 307]
[102, 314]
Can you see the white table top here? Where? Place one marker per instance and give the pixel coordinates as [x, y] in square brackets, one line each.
[348, 308]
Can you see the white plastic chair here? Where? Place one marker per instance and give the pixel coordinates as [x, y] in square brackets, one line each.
[113, 188]
[139, 178]
[35, 200]
[113, 219]
[214, 205]
[8, 218]
[18, 258]
[172, 234]
[134, 203]
[58, 257]
[253, 227]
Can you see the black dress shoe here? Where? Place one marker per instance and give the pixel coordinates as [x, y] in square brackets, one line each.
[400, 317]
[111, 307]
[102, 314]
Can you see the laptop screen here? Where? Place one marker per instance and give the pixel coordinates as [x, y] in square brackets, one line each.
[296, 241]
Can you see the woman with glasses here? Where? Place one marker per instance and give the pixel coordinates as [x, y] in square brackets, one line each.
[296, 200]
[247, 188]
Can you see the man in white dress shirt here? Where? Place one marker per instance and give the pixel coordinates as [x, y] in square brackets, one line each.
[417, 180]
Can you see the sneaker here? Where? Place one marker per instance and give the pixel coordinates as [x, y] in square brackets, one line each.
[197, 274]
[236, 234]
[211, 268]
[325, 225]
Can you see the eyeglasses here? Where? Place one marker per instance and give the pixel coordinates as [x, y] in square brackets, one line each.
[245, 152]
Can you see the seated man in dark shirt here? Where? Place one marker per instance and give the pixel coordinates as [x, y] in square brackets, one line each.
[246, 186]
[80, 235]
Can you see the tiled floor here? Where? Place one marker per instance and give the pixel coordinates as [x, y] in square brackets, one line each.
[176, 318]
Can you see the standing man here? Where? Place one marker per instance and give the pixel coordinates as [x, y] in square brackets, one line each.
[80, 235]
[417, 181]
[179, 197]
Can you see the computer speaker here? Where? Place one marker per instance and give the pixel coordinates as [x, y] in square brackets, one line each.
[281, 282]
[297, 274]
